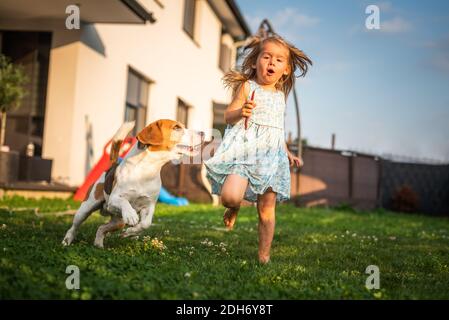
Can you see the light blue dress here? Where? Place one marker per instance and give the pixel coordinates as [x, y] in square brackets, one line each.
[257, 153]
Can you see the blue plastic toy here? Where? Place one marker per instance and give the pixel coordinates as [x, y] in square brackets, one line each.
[166, 197]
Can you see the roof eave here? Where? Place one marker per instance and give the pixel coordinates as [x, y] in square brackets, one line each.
[140, 11]
[236, 11]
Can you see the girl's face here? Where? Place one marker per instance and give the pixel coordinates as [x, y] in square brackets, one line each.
[272, 63]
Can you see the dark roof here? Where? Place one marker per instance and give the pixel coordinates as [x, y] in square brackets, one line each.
[140, 11]
[236, 11]
[231, 18]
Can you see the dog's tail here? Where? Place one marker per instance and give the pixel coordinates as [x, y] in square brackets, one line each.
[118, 138]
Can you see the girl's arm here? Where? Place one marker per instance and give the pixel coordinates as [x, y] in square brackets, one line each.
[233, 112]
[293, 160]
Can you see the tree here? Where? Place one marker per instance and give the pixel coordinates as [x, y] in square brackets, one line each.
[12, 80]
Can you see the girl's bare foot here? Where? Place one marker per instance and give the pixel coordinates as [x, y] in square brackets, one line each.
[264, 259]
[229, 217]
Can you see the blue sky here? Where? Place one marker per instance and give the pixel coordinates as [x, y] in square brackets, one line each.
[380, 91]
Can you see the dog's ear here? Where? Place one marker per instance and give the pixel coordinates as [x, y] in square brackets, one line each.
[151, 134]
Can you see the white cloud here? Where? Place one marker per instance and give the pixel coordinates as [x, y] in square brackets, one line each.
[283, 21]
[288, 23]
[384, 6]
[387, 25]
[391, 26]
[292, 18]
[395, 25]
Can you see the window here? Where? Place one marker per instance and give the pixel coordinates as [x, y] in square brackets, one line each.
[182, 113]
[136, 100]
[32, 51]
[189, 17]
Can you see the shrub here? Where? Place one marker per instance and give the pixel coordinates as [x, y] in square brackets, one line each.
[405, 200]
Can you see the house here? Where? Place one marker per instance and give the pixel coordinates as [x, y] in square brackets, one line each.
[129, 60]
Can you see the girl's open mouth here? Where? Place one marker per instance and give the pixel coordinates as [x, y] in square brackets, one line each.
[270, 72]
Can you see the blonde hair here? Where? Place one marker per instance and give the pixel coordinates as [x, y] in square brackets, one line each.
[297, 59]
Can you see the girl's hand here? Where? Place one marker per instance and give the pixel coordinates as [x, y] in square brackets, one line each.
[293, 160]
[247, 108]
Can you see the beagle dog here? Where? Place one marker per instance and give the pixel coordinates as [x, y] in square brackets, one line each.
[129, 190]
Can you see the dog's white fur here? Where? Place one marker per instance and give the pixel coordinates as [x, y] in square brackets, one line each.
[137, 185]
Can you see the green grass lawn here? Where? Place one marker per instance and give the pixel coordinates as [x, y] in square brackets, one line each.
[316, 254]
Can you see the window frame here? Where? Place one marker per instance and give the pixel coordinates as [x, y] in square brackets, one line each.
[191, 34]
[141, 109]
[181, 103]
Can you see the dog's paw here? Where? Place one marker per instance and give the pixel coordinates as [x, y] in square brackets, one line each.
[126, 235]
[131, 218]
[129, 232]
[99, 243]
[69, 237]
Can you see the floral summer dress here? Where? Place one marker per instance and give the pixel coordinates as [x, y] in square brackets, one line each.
[257, 153]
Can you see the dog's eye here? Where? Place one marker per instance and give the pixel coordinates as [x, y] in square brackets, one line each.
[177, 127]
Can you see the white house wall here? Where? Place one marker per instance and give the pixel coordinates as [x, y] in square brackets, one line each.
[88, 82]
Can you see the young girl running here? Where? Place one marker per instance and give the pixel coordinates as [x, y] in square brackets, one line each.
[252, 162]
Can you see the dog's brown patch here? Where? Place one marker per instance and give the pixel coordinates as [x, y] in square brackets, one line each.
[99, 191]
[158, 135]
[151, 134]
[159, 148]
[115, 150]
[109, 182]
[120, 225]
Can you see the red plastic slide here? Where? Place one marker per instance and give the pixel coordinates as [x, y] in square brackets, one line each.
[101, 166]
